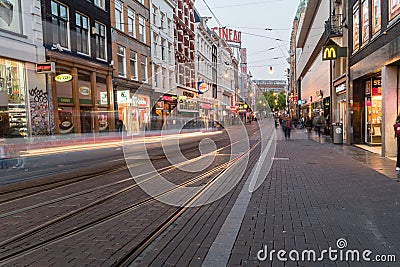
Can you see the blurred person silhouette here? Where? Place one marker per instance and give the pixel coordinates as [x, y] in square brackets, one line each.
[288, 127]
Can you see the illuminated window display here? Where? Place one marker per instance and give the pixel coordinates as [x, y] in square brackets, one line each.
[373, 109]
[13, 99]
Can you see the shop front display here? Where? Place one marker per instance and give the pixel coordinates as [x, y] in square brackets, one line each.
[373, 109]
[13, 106]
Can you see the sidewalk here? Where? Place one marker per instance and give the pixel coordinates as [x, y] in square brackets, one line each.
[314, 195]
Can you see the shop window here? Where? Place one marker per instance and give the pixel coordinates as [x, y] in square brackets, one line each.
[82, 34]
[11, 18]
[65, 120]
[13, 113]
[60, 22]
[101, 91]
[84, 89]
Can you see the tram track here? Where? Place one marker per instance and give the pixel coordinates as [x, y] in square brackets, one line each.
[6, 257]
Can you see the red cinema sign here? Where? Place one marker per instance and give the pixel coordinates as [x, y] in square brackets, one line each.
[229, 35]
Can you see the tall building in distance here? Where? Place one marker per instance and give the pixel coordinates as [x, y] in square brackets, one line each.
[272, 85]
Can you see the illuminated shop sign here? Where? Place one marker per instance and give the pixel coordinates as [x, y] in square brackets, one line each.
[329, 52]
[63, 77]
[188, 94]
[228, 35]
[47, 67]
[123, 97]
[83, 90]
[202, 87]
[168, 98]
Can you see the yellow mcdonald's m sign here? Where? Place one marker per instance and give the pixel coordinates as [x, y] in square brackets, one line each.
[329, 52]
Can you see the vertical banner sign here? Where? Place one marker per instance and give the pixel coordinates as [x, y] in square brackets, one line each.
[243, 53]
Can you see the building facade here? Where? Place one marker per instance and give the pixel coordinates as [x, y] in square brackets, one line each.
[204, 69]
[313, 74]
[77, 39]
[24, 102]
[187, 106]
[131, 53]
[374, 60]
[163, 59]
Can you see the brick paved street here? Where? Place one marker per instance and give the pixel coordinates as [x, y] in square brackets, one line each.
[320, 194]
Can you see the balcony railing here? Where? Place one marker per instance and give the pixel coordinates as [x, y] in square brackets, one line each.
[334, 26]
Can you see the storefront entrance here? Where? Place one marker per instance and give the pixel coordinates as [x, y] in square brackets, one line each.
[86, 120]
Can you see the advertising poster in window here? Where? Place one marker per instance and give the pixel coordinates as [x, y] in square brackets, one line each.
[376, 16]
[10, 15]
[394, 8]
[365, 21]
[356, 28]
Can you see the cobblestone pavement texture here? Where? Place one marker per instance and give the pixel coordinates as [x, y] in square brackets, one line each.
[315, 194]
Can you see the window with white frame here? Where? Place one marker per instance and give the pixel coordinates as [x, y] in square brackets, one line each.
[100, 36]
[131, 22]
[100, 3]
[82, 34]
[169, 26]
[163, 49]
[133, 64]
[141, 1]
[143, 67]
[121, 61]
[162, 24]
[155, 44]
[171, 80]
[155, 11]
[164, 78]
[119, 17]
[169, 53]
[156, 75]
[142, 29]
[60, 23]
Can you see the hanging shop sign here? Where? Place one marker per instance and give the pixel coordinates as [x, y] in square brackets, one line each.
[205, 106]
[202, 87]
[228, 35]
[169, 98]
[47, 67]
[123, 97]
[332, 52]
[65, 77]
[83, 90]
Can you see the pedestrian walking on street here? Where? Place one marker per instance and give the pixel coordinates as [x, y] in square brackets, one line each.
[288, 127]
[397, 136]
[318, 123]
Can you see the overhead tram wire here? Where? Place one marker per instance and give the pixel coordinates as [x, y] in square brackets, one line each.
[216, 19]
